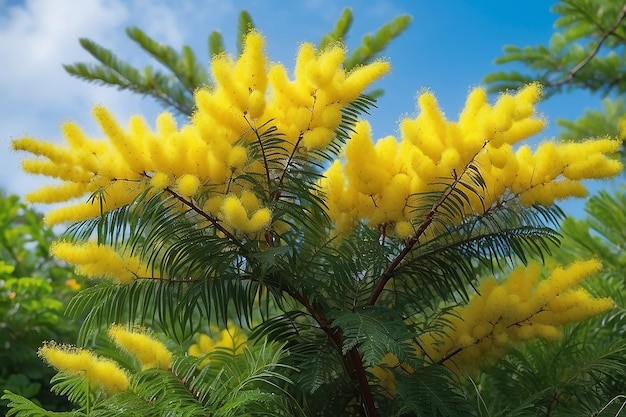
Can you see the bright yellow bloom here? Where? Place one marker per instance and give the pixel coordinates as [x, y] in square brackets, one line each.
[75, 286]
[188, 185]
[380, 183]
[231, 338]
[100, 261]
[236, 215]
[250, 95]
[518, 309]
[150, 352]
[102, 374]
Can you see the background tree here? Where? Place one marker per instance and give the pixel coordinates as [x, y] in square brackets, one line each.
[585, 52]
[577, 375]
[34, 289]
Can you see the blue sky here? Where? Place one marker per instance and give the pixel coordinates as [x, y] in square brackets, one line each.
[450, 46]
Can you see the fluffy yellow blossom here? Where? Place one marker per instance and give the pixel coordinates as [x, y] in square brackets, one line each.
[160, 180]
[203, 157]
[232, 338]
[235, 214]
[100, 261]
[73, 284]
[383, 372]
[187, 185]
[520, 308]
[381, 183]
[150, 352]
[102, 374]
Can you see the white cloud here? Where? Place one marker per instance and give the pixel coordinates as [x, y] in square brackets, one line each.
[38, 36]
[35, 39]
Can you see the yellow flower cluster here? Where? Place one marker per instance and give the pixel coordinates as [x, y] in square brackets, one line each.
[378, 182]
[521, 308]
[149, 352]
[231, 338]
[621, 127]
[204, 156]
[383, 372]
[101, 261]
[101, 374]
[516, 310]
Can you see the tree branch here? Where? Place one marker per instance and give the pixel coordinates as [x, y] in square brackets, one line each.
[212, 220]
[572, 73]
[352, 360]
[412, 241]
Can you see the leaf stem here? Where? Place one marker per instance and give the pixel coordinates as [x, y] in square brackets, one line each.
[572, 73]
[211, 219]
[412, 241]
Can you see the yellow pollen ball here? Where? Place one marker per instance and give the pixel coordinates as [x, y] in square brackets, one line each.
[160, 180]
[404, 229]
[256, 104]
[150, 352]
[108, 376]
[188, 185]
[331, 116]
[234, 213]
[260, 220]
[237, 157]
[317, 138]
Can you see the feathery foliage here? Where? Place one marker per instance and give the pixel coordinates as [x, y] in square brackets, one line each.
[344, 259]
[586, 52]
[183, 73]
[583, 375]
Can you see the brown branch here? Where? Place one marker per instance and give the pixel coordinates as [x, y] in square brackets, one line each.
[292, 155]
[352, 359]
[366, 393]
[430, 216]
[572, 73]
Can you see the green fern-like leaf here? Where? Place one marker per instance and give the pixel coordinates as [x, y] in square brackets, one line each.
[584, 52]
[430, 393]
[574, 376]
[20, 406]
[244, 25]
[376, 331]
[339, 31]
[371, 45]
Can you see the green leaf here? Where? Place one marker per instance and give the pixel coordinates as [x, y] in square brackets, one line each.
[216, 44]
[431, 392]
[339, 31]
[21, 407]
[375, 331]
[372, 45]
[244, 25]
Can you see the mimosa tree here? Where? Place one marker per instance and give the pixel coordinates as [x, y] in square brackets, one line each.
[372, 274]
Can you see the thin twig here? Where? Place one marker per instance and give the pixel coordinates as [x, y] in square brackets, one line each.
[412, 241]
[594, 52]
[265, 163]
[292, 155]
[211, 219]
